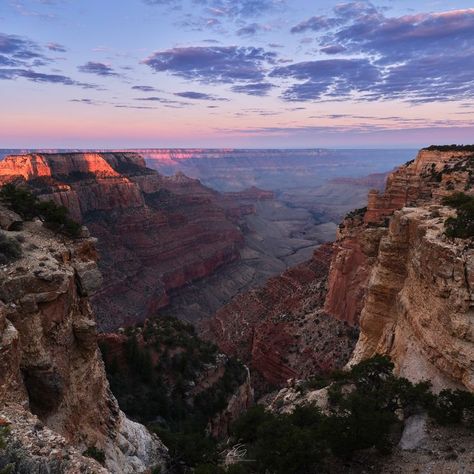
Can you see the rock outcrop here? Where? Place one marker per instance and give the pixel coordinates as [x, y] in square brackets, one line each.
[420, 299]
[410, 286]
[281, 330]
[51, 366]
[31, 447]
[155, 233]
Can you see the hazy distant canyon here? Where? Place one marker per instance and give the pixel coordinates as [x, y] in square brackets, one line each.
[256, 234]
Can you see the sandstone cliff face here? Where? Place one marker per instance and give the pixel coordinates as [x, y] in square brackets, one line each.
[411, 287]
[50, 362]
[432, 175]
[155, 234]
[281, 330]
[419, 306]
[354, 253]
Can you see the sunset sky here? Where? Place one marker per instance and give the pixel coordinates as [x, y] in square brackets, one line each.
[250, 73]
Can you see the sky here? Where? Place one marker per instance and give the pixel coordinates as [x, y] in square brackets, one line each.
[236, 73]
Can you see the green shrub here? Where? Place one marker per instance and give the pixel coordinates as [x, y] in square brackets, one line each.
[95, 453]
[28, 206]
[8, 469]
[356, 212]
[192, 448]
[461, 226]
[4, 432]
[363, 408]
[19, 200]
[10, 249]
[451, 406]
[452, 147]
[56, 218]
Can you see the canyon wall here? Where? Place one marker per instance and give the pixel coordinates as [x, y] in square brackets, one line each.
[420, 300]
[53, 388]
[155, 233]
[410, 286]
[391, 271]
[281, 330]
[274, 169]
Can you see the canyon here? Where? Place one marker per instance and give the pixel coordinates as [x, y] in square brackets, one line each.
[392, 283]
[147, 220]
[391, 271]
[227, 243]
[154, 233]
[230, 169]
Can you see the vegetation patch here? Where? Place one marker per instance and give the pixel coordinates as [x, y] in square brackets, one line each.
[461, 226]
[4, 433]
[364, 404]
[452, 147]
[360, 212]
[28, 206]
[156, 379]
[95, 453]
[10, 249]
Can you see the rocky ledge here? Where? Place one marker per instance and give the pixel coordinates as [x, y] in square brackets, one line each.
[50, 364]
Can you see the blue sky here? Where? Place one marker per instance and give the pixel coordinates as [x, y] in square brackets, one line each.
[250, 73]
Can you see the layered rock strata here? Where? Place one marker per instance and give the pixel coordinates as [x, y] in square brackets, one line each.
[420, 300]
[391, 270]
[410, 286]
[50, 363]
[155, 233]
[281, 330]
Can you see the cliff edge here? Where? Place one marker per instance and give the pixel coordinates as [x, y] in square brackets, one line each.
[55, 401]
[397, 273]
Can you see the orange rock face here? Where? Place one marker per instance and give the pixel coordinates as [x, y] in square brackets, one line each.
[355, 251]
[418, 308]
[281, 330]
[155, 234]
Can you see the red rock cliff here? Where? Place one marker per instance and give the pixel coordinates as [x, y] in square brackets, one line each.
[395, 270]
[281, 330]
[155, 234]
[432, 175]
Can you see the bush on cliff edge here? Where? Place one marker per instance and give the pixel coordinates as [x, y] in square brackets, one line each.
[461, 226]
[28, 206]
[364, 408]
